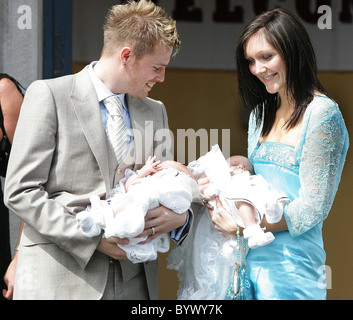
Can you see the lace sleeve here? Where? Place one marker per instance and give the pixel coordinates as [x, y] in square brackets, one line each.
[323, 154]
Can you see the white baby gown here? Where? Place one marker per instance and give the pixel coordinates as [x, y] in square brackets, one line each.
[206, 259]
[168, 187]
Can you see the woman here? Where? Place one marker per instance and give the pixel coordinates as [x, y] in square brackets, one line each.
[298, 142]
[10, 103]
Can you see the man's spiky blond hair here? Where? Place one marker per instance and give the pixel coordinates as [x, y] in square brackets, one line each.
[141, 25]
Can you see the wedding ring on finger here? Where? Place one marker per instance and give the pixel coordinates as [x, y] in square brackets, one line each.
[153, 231]
[204, 201]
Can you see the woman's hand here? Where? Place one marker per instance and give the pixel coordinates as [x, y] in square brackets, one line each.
[9, 278]
[203, 184]
[223, 220]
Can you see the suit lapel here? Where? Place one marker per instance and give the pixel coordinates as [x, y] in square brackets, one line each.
[86, 106]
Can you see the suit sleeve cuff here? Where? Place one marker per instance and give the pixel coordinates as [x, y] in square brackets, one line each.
[178, 235]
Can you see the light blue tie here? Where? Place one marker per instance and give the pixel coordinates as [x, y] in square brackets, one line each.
[116, 128]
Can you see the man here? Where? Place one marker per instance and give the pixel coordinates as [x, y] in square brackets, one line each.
[62, 155]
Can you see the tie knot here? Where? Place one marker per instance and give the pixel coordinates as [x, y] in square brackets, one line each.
[114, 106]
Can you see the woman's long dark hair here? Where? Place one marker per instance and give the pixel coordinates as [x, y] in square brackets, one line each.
[284, 31]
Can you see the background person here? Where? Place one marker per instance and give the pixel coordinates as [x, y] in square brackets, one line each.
[11, 98]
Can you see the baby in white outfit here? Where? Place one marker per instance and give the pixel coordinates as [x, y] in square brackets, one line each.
[246, 196]
[122, 215]
[207, 261]
[253, 198]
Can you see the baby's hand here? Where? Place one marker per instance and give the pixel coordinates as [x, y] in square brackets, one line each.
[149, 168]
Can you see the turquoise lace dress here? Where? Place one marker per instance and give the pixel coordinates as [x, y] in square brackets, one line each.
[292, 267]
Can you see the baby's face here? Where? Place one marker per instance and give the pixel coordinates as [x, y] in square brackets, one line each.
[239, 164]
[237, 169]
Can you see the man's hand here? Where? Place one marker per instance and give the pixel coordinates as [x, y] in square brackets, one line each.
[110, 247]
[161, 220]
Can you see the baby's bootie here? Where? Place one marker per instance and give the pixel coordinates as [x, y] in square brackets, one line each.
[256, 237]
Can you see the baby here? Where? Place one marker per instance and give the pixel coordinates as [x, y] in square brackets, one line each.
[168, 183]
[205, 261]
[253, 198]
[246, 196]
